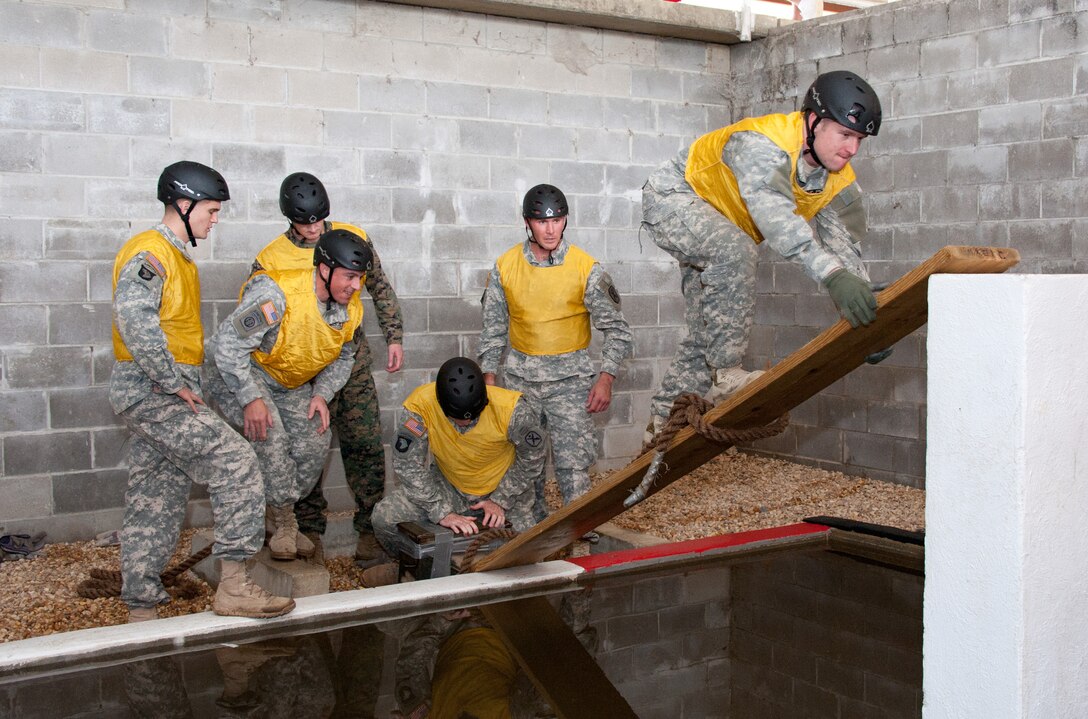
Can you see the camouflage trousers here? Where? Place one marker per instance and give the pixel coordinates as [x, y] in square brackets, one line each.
[293, 453]
[357, 419]
[571, 434]
[171, 448]
[398, 506]
[718, 274]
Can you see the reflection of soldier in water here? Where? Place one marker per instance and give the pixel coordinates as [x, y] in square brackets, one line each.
[455, 666]
[155, 690]
[286, 678]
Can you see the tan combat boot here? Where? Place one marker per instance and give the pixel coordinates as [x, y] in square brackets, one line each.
[729, 381]
[142, 614]
[240, 596]
[287, 542]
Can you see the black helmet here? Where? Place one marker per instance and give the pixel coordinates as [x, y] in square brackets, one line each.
[543, 202]
[187, 180]
[462, 393]
[343, 248]
[191, 181]
[845, 98]
[303, 198]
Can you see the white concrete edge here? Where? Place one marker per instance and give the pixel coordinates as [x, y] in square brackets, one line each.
[104, 646]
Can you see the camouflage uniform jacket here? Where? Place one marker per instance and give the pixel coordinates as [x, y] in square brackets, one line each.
[601, 300]
[232, 348]
[412, 464]
[762, 170]
[386, 306]
[136, 313]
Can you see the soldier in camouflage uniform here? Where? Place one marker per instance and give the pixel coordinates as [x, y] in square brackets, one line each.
[278, 360]
[785, 179]
[542, 297]
[355, 413]
[158, 342]
[464, 451]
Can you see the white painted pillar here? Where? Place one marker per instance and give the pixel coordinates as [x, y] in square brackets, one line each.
[1006, 591]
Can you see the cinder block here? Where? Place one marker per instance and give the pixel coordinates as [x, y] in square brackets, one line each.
[458, 172]
[20, 152]
[655, 149]
[48, 367]
[361, 54]
[25, 498]
[210, 40]
[22, 282]
[629, 115]
[23, 325]
[87, 71]
[126, 115]
[393, 21]
[457, 28]
[81, 408]
[613, 212]
[127, 33]
[896, 62]
[674, 53]
[42, 26]
[688, 121]
[950, 204]
[457, 243]
[497, 139]
[705, 88]
[603, 145]
[45, 453]
[89, 491]
[1046, 160]
[457, 100]
[555, 143]
[572, 110]
[1009, 44]
[323, 90]
[656, 84]
[249, 84]
[22, 411]
[515, 35]
[1050, 79]
[288, 125]
[19, 66]
[285, 45]
[40, 110]
[357, 129]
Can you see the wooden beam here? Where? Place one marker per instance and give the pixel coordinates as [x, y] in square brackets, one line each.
[831, 355]
[556, 661]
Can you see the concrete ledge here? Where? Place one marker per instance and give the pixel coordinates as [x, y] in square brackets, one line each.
[106, 646]
[664, 19]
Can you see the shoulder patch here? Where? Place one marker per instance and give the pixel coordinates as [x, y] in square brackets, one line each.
[415, 426]
[402, 443]
[533, 438]
[145, 273]
[255, 318]
[152, 263]
[609, 288]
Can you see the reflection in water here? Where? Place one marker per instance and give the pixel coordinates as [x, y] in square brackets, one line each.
[454, 666]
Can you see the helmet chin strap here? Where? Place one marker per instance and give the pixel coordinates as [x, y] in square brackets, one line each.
[328, 287]
[185, 218]
[810, 139]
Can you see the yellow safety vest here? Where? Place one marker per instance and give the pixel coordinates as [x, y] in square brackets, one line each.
[179, 306]
[306, 344]
[282, 254]
[548, 315]
[476, 461]
[714, 181]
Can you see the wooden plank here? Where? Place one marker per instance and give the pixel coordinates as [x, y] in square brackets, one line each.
[555, 660]
[830, 356]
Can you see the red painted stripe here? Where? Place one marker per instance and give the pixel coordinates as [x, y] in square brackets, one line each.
[695, 546]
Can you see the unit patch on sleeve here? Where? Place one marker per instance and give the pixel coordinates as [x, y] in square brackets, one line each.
[403, 443]
[605, 284]
[255, 318]
[533, 438]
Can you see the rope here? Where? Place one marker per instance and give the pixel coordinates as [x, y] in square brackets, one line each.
[485, 536]
[691, 409]
[107, 582]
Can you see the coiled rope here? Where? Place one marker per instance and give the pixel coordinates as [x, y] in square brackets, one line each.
[107, 582]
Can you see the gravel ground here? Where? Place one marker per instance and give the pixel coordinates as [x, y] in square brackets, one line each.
[735, 492]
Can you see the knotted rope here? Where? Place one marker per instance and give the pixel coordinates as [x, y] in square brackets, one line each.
[107, 582]
[486, 536]
[691, 409]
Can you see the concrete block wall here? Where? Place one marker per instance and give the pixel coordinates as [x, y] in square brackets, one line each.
[429, 124]
[981, 144]
[821, 635]
[426, 125]
[669, 632]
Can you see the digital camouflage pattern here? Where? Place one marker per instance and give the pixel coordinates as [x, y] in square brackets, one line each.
[355, 412]
[171, 447]
[293, 454]
[424, 495]
[558, 384]
[718, 260]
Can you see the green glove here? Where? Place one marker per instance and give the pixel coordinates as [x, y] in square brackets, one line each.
[853, 297]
